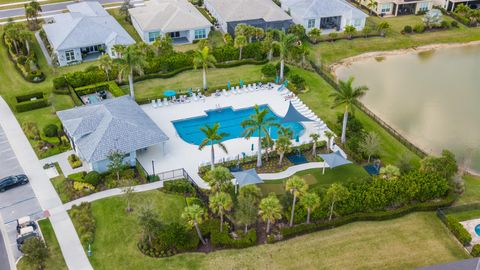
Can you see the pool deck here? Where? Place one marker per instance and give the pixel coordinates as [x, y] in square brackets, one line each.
[470, 225]
[180, 154]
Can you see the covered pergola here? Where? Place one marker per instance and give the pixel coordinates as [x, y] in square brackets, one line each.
[244, 178]
[334, 159]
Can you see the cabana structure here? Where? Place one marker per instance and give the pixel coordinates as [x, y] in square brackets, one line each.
[245, 178]
[334, 159]
[294, 116]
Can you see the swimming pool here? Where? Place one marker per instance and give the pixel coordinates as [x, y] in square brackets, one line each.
[229, 120]
[92, 99]
[477, 229]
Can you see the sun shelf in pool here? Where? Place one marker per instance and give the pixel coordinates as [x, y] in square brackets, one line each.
[229, 120]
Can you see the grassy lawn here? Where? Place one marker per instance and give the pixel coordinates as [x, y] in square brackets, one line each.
[115, 12]
[315, 178]
[193, 79]
[328, 53]
[472, 190]
[415, 240]
[55, 261]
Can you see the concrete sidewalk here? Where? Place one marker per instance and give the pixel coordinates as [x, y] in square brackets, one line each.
[70, 245]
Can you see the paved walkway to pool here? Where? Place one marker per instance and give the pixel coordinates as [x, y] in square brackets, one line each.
[470, 227]
[180, 154]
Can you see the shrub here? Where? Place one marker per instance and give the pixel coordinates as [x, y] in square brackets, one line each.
[93, 178]
[286, 69]
[298, 82]
[269, 70]
[59, 82]
[194, 200]
[31, 130]
[476, 250]
[454, 24]
[74, 161]
[82, 186]
[419, 28]
[77, 177]
[445, 24]
[84, 221]
[168, 240]
[31, 105]
[50, 130]
[223, 239]
[407, 29]
[458, 230]
[181, 186]
[110, 86]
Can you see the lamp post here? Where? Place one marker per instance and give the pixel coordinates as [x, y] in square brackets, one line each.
[153, 167]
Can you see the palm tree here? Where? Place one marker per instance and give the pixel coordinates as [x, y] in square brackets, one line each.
[267, 144]
[132, 60]
[297, 186]
[240, 42]
[282, 145]
[162, 45]
[335, 193]
[31, 12]
[347, 95]
[315, 35]
[219, 179]
[329, 136]
[311, 201]
[106, 64]
[212, 137]
[284, 44]
[370, 145]
[259, 122]
[202, 58]
[26, 36]
[315, 137]
[259, 33]
[270, 210]
[267, 44]
[304, 51]
[285, 131]
[12, 33]
[349, 31]
[220, 203]
[383, 27]
[372, 4]
[194, 215]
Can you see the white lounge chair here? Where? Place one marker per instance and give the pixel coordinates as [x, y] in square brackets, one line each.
[159, 102]
[154, 104]
[165, 102]
[225, 93]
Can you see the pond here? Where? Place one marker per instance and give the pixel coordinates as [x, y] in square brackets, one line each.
[432, 98]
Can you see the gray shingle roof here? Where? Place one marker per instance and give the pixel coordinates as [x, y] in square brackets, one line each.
[168, 16]
[241, 10]
[86, 24]
[470, 264]
[115, 124]
[321, 8]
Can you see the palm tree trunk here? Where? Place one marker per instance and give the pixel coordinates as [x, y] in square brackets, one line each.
[344, 126]
[221, 222]
[369, 158]
[27, 45]
[270, 55]
[331, 211]
[199, 233]
[282, 66]
[266, 154]
[303, 60]
[240, 55]
[293, 209]
[268, 225]
[204, 78]
[259, 156]
[130, 83]
[308, 215]
[245, 230]
[314, 151]
[15, 45]
[213, 157]
[281, 159]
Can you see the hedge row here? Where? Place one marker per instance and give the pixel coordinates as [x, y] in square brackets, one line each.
[28, 97]
[301, 229]
[76, 100]
[458, 230]
[211, 229]
[25, 102]
[110, 86]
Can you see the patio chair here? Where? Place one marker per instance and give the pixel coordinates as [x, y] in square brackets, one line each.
[159, 103]
[194, 96]
[234, 91]
[225, 93]
[165, 102]
[154, 104]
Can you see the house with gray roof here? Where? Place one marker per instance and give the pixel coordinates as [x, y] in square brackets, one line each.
[177, 18]
[117, 124]
[84, 33]
[327, 15]
[264, 14]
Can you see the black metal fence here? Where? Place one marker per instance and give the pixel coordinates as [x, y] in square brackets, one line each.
[330, 80]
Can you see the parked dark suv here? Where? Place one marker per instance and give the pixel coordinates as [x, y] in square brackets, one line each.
[12, 181]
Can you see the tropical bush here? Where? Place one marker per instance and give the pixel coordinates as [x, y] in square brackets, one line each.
[31, 130]
[82, 218]
[74, 161]
[210, 229]
[407, 29]
[475, 250]
[79, 186]
[93, 178]
[419, 28]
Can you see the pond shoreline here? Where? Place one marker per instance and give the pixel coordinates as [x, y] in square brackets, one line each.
[366, 56]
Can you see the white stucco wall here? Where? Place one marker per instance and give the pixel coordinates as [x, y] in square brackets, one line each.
[62, 59]
[102, 165]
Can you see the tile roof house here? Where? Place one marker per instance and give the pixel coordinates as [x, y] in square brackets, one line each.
[325, 14]
[177, 18]
[85, 32]
[259, 13]
[112, 125]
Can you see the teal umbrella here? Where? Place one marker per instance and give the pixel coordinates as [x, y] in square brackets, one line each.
[228, 85]
[169, 93]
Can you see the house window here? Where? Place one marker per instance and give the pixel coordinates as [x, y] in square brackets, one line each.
[200, 33]
[70, 55]
[386, 8]
[152, 36]
[175, 34]
[311, 23]
[423, 6]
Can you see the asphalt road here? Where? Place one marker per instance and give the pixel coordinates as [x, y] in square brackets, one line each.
[47, 9]
[18, 201]
[4, 264]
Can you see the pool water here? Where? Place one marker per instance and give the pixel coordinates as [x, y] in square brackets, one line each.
[93, 99]
[229, 120]
[477, 229]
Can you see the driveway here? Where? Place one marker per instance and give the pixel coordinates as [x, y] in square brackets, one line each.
[16, 202]
[3, 254]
